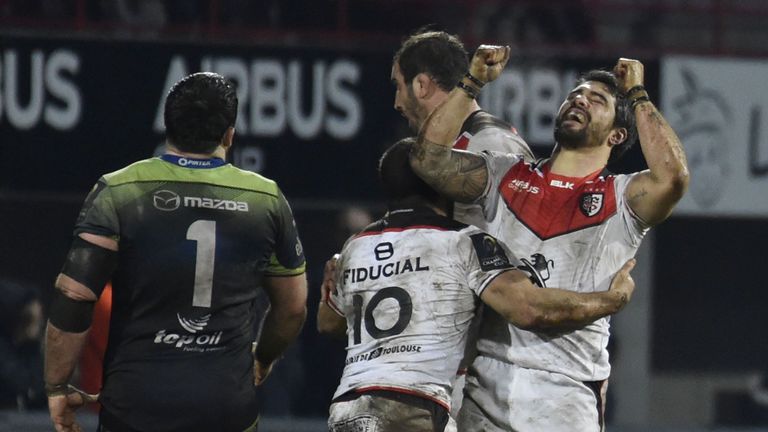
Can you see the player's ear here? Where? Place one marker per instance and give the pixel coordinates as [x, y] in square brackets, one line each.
[229, 136]
[617, 136]
[423, 85]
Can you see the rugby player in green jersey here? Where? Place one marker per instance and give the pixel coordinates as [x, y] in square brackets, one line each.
[188, 241]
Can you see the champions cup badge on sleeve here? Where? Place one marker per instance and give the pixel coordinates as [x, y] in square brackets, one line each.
[591, 204]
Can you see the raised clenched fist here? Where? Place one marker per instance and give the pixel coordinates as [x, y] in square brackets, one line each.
[629, 73]
[488, 62]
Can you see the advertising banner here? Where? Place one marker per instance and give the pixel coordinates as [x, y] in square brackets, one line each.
[314, 119]
[719, 108]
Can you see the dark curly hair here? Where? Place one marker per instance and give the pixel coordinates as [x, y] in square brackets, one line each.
[438, 54]
[198, 111]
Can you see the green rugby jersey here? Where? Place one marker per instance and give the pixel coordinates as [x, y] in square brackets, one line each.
[194, 244]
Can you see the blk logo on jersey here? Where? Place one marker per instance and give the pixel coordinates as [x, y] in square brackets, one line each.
[165, 200]
[591, 204]
[562, 184]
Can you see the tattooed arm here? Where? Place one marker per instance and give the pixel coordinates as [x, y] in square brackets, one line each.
[459, 175]
[653, 193]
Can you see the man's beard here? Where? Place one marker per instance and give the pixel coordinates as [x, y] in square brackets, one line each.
[418, 116]
[570, 138]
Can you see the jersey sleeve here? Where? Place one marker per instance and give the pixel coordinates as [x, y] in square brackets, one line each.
[487, 259]
[499, 140]
[98, 215]
[497, 164]
[288, 256]
[634, 227]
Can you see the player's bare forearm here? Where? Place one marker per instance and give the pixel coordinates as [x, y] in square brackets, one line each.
[286, 316]
[653, 194]
[459, 175]
[279, 332]
[529, 307]
[556, 309]
[62, 352]
[330, 323]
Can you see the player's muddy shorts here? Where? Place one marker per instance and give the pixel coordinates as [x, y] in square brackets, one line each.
[511, 398]
[387, 411]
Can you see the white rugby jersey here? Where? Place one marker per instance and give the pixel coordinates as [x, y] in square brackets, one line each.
[573, 233]
[408, 287]
[483, 132]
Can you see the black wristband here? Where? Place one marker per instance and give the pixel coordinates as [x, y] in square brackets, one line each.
[639, 99]
[469, 90]
[474, 80]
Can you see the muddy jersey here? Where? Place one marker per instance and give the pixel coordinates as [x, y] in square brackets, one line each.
[483, 132]
[408, 286]
[195, 239]
[572, 233]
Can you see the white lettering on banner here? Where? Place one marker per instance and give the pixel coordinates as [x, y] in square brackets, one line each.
[717, 107]
[309, 126]
[59, 86]
[345, 100]
[44, 74]
[529, 100]
[275, 96]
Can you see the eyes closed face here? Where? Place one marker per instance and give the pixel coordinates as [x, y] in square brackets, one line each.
[588, 105]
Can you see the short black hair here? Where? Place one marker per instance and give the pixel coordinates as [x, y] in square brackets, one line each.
[436, 53]
[198, 111]
[624, 116]
[398, 180]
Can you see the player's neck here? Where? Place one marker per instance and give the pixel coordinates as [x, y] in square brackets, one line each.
[579, 162]
[220, 153]
[440, 98]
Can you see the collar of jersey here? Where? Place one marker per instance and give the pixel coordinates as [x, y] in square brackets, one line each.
[194, 163]
[546, 169]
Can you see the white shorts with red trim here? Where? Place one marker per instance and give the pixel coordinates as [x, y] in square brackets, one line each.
[510, 398]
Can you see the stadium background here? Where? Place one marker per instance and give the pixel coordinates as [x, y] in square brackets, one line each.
[82, 83]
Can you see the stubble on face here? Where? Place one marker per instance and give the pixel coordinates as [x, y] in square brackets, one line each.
[406, 101]
[585, 132]
[414, 111]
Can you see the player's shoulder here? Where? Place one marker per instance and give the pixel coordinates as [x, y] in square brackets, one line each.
[155, 169]
[482, 120]
[133, 172]
[244, 179]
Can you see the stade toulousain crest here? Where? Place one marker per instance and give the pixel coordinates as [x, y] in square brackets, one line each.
[591, 204]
